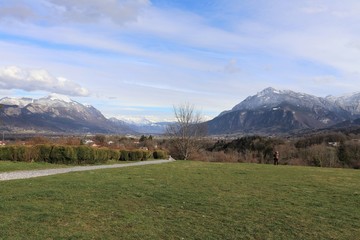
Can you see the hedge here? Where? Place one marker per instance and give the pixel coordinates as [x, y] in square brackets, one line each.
[140, 155]
[63, 154]
[57, 154]
[159, 154]
[135, 155]
[74, 154]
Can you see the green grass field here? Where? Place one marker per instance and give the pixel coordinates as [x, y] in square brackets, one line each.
[185, 200]
[8, 166]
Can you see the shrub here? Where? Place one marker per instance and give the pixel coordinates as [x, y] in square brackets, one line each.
[26, 154]
[85, 154]
[43, 153]
[349, 154]
[63, 154]
[101, 155]
[114, 154]
[18, 153]
[124, 155]
[6, 153]
[135, 155]
[146, 155]
[159, 154]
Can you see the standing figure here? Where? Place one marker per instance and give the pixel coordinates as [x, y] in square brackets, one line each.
[276, 158]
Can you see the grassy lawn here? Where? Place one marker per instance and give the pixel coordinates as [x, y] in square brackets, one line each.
[185, 200]
[9, 166]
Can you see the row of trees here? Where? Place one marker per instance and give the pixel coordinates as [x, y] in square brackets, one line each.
[345, 153]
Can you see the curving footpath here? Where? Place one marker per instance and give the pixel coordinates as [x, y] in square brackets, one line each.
[46, 172]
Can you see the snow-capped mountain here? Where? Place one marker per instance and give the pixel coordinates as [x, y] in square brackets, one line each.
[21, 102]
[142, 125]
[349, 102]
[270, 97]
[135, 120]
[279, 111]
[55, 113]
[269, 111]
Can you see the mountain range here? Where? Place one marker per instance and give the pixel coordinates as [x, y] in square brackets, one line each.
[268, 112]
[54, 114]
[273, 111]
[143, 126]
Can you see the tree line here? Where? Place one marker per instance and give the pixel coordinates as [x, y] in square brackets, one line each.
[321, 150]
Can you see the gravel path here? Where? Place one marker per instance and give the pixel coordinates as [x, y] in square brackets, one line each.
[46, 172]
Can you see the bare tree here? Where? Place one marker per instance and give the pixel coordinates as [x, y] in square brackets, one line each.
[186, 131]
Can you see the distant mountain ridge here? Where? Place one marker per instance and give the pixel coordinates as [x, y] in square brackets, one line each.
[273, 111]
[60, 114]
[55, 113]
[268, 112]
[144, 125]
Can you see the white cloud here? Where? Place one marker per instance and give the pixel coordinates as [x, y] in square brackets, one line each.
[232, 66]
[99, 10]
[17, 11]
[187, 29]
[324, 79]
[315, 9]
[70, 11]
[142, 53]
[13, 77]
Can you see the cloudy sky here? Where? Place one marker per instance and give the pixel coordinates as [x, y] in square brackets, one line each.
[142, 57]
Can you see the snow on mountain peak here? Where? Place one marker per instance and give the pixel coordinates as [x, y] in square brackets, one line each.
[21, 102]
[135, 120]
[271, 97]
[269, 90]
[59, 97]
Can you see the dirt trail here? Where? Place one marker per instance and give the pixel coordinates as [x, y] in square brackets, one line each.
[46, 172]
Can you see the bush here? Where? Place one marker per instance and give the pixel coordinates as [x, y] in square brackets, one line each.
[146, 155]
[18, 153]
[43, 153]
[159, 154]
[85, 155]
[124, 155]
[349, 154]
[101, 155]
[63, 154]
[114, 154]
[135, 155]
[74, 155]
[26, 154]
[89, 155]
[6, 153]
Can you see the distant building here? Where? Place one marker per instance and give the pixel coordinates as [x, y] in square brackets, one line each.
[334, 144]
[88, 141]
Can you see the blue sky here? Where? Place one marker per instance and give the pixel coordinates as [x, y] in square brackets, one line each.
[139, 58]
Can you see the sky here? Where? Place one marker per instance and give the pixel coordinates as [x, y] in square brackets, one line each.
[140, 58]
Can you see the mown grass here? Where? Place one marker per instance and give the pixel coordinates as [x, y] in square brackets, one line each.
[9, 166]
[185, 200]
